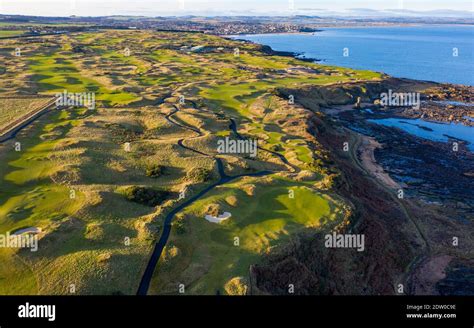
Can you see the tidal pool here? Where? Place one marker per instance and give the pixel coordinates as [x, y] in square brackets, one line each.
[430, 130]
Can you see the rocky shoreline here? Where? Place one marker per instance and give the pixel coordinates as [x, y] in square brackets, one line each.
[271, 52]
[440, 112]
[409, 239]
[445, 103]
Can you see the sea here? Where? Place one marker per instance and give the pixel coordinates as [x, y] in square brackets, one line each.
[439, 53]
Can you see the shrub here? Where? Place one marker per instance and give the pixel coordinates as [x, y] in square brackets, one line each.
[154, 171]
[236, 286]
[146, 196]
[199, 174]
[276, 148]
[178, 224]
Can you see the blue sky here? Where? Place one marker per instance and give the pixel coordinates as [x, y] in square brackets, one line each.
[220, 7]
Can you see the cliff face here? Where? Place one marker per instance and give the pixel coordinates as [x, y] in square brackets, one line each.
[348, 93]
[391, 240]
[408, 241]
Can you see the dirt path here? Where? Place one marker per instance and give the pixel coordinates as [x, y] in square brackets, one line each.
[367, 158]
[367, 148]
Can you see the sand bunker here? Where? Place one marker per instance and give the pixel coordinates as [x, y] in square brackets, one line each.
[30, 230]
[218, 219]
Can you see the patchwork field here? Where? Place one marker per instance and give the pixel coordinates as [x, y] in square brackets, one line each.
[10, 33]
[99, 182]
[13, 109]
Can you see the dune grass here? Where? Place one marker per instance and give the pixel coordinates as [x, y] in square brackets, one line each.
[54, 73]
[83, 150]
[207, 254]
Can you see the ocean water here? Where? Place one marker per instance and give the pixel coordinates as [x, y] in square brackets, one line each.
[416, 52]
[430, 130]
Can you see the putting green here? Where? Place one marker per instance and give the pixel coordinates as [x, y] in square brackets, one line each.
[84, 236]
[208, 256]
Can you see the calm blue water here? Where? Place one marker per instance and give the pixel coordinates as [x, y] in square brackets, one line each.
[417, 52]
[434, 131]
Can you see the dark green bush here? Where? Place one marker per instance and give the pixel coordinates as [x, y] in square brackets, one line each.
[198, 174]
[146, 196]
[276, 148]
[154, 171]
[178, 224]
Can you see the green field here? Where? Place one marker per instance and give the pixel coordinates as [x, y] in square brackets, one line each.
[207, 256]
[12, 109]
[100, 240]
[10, 33]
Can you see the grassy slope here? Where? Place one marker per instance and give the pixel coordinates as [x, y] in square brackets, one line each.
[28, 198]
[208, 258]
[12, 109]
[91, 228]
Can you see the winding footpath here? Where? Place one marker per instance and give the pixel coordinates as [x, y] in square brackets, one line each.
[404, 279]
[224, 178]
[233, 127]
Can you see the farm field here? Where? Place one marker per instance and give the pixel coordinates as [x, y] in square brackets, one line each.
[12, 109]
[99, 182]
[10, 33]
